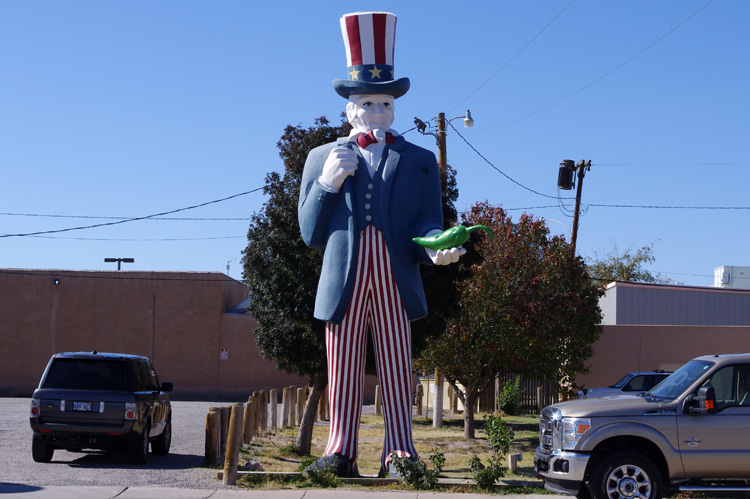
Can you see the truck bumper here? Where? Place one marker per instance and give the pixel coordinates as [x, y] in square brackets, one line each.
[563, 471]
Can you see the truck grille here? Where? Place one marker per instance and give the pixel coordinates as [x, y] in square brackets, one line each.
[548, 421]
[545, 433]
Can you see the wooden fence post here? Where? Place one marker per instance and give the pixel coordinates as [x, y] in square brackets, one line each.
[273, 396]
[224, 412]
[264, 411]
[247, 434]
[234, 442]
[292, 406]
[420, 396]
[213, 438]
[300, 405]
[540, 398]
[285, 408]
[437, 412]
[378, 410]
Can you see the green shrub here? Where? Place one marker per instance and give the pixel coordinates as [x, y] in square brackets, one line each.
[486, 476]
[325, 477]
[509, 399]
[499, 435]
[414, 472]
[500, 438]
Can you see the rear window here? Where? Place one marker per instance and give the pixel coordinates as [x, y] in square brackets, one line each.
[87, 374]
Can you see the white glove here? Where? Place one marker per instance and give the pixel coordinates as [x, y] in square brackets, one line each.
[341, 163]
[444, 257]
[447, 256]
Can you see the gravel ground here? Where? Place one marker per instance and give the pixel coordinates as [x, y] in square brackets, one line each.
[178, 469]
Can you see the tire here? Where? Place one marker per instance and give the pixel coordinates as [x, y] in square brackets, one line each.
[41, 451]
[584, 492]
[138, 448]
[626, 475]
[160, 446]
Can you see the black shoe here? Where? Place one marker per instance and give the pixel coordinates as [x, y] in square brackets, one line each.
[340, 465]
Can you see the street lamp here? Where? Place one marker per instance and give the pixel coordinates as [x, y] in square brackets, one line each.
[437, 414]
[119, 261]
[440, 134]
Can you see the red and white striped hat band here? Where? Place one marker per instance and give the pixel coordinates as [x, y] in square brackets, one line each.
[369, 41]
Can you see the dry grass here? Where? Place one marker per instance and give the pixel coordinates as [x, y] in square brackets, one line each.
[275, 452]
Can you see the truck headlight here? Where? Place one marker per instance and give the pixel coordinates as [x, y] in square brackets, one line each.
[572, 431]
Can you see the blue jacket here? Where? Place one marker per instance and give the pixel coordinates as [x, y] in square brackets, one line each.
[407, 203]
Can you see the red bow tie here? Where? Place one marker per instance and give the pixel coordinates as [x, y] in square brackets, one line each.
[365, 139]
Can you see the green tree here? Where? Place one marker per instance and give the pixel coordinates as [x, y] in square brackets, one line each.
[625, 267]
[527, 306]
[282, 272]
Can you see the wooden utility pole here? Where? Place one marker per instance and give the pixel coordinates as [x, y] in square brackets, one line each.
[442, 154]
[583, 166]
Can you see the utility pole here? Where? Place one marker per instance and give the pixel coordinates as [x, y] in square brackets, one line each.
[582, 166]
[442, 154]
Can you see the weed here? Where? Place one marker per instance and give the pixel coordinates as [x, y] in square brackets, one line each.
[414, 472]
[500, 437]
[509, 399]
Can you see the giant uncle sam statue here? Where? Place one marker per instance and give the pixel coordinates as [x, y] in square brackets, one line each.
[363, 199]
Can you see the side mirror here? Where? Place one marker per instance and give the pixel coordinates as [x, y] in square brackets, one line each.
[705, 401]
[166, 387]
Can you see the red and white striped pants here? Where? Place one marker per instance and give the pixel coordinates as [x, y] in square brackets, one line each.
[375, 305]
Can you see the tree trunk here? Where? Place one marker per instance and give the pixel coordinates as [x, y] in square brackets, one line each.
[304, 439]
[469, 402]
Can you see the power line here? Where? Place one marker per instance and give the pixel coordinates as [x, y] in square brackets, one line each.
[141, 240]
[604, 75]
[131, 219]
[655, 207]
[513, 57]
[560, 204]
[43, 215]
[672, 164]
[498, 169]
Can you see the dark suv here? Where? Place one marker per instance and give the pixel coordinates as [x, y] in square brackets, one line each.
[92, 400]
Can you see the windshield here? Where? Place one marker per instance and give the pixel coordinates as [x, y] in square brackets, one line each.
[682, 378]
[620, 383]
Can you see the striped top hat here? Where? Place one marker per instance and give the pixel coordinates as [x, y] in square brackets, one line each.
[369, 40]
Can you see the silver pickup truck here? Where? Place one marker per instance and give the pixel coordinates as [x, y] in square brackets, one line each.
[691, 432]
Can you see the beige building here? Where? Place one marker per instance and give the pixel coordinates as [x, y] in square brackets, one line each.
[655, 326]
[183, 321]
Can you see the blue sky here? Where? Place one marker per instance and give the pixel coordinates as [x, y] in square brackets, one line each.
[128, 109]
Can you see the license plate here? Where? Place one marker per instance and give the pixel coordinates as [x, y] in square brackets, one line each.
[82, 406]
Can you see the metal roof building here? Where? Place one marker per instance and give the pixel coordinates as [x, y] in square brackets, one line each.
[668, 305]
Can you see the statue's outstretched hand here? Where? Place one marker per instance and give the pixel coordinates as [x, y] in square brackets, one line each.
[341, 163]
[443, 256]
[446, 256]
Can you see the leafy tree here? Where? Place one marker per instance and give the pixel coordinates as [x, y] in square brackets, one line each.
[282, 272]
[625, 267]
[527, 306]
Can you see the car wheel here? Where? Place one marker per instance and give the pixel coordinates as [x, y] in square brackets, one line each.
[160, 446]
[584, 492]
[626, 475]
[138, 448]
[41, 451]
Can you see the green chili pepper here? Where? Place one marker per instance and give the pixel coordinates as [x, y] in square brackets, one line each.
[451, 238]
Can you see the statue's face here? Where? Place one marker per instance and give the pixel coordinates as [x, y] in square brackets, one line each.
[367, 112]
